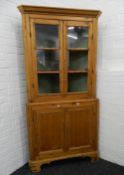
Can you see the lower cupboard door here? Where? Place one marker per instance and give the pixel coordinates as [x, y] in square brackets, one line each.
[81, 128]
[46, 132]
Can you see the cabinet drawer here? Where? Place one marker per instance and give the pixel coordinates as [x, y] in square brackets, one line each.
[74, 104]
[63, 104]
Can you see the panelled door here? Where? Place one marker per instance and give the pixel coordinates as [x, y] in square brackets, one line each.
[46, 131]
[81, 124]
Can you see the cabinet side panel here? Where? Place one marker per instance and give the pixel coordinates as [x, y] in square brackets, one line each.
[94, 56]
[27, 54]
[96, 126]
[30, 133]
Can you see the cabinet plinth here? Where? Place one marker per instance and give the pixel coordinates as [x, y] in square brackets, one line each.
[60, 59]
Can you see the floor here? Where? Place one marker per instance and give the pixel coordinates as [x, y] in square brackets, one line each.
[77, 166]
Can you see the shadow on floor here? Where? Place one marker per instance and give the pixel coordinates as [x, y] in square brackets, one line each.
[76, 166]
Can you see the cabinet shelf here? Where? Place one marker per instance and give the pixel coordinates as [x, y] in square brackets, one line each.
[47, 48]
[78, 49]
[77, 71]
[57, 72]
[48, 72]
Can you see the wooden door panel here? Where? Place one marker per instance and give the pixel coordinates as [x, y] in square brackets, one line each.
[47, 131]
[82, 133]
[79, 127]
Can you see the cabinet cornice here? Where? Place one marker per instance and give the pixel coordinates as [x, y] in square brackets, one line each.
[26, 9]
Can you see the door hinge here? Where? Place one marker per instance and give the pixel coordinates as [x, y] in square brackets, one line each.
[30, 34]
[33, 85]
[92, 36]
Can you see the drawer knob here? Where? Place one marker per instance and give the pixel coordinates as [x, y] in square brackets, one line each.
[58, 106]
[77, 104]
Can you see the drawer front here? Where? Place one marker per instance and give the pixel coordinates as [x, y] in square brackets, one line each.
[62, 104]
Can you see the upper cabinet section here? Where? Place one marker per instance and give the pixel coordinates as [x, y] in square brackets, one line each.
[60, 52]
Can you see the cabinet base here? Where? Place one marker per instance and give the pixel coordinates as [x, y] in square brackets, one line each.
[35, 166]
[94, 158]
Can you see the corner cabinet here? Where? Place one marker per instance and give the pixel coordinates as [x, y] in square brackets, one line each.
[60, 59]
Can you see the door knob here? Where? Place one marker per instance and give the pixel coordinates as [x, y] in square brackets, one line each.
[77, 104]
[58, 106]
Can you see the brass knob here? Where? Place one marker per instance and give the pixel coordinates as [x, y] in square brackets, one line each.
[77, 104]
[58, 106]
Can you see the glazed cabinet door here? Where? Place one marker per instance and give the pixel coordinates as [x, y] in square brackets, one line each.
[46, 131]
[78, 64]
[81, 124]
[46, 43]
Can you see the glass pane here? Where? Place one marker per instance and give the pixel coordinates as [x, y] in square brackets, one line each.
[78, 60]
[77, 82]
[46, 36]
[47, 60]
[48, 83]
[77, 37]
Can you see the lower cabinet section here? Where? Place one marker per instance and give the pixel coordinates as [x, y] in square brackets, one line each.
[61, 131]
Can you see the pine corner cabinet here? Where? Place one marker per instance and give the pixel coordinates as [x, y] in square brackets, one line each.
[60, 59]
